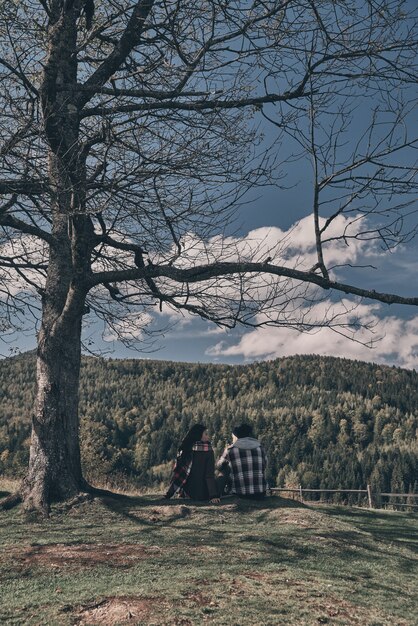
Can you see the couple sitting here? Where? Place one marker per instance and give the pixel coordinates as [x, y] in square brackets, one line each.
[241, 468]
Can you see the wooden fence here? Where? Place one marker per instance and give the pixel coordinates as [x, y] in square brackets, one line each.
[373, 498]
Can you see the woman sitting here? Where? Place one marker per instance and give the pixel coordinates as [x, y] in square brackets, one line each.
[194, 471]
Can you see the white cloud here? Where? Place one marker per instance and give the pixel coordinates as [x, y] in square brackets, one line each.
[395, 342]
[23, 250]
[294, 247]
[131, 327]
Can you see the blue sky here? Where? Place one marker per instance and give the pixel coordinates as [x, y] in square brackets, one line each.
[395, 329]
[275, 211]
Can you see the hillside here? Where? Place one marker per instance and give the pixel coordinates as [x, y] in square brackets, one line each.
[325, 422]
[140, 560]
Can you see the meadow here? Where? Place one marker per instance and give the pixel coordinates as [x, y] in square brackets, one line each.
[133, 559]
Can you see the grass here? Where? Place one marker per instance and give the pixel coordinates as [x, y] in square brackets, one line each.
[8, 486]
[141, 560]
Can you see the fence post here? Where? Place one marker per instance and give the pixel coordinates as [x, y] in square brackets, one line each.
[369, 495]
[300, 493]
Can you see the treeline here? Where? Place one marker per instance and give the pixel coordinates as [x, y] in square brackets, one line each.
[325, 422]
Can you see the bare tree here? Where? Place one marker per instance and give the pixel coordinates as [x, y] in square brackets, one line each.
[130, 134]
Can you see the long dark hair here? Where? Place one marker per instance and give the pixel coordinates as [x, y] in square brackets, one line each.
[194, 434]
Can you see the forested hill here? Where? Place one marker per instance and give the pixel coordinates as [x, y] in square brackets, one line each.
[325, 422]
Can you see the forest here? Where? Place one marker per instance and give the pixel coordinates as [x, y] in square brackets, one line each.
[325, 422]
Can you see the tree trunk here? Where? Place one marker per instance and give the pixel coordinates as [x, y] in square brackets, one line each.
[55, 465]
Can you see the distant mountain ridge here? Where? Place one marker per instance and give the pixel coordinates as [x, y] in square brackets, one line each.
[325, 422]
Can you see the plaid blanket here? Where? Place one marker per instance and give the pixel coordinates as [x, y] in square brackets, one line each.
[183, 466]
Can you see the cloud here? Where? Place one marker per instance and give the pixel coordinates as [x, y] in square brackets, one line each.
[132, 327]
[395, 341]
[295, 247]
[23, 250]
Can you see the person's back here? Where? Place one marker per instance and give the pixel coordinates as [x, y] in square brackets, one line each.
[245, 462]
[200, 484]
[193, 472]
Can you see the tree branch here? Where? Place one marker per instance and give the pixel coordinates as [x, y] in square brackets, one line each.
[45, 6]
[215, 270]
[125, 45]
[23, 187]
[200, 105]
[19, 74]
[23, 227]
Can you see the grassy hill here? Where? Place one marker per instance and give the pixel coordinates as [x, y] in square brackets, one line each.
[325, 422]
[140, 560]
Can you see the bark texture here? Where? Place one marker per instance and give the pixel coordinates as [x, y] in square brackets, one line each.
[55, 465]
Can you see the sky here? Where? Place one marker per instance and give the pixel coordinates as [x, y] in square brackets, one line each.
[272, 215]
[394, 328]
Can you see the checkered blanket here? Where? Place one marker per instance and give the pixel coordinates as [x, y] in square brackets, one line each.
[183, 466]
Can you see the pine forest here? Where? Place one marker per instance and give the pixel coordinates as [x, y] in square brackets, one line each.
[325, 422]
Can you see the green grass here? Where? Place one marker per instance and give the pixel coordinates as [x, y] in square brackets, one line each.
[141, 560]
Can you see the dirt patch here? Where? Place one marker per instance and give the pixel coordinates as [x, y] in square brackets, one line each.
[200, 599]
[257, 576]
[329, 608]
[125, 610]
[82, 555]
[111, 611]
[161, 514]
[170, 512]
[297, 517]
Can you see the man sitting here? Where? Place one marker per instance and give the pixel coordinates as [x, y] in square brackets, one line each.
[243, 465]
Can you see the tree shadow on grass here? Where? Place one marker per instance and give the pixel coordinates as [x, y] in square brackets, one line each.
[124, 505]
[154, 511]
[200, 533]
[389, 527]
[270, 502]
[249, 534]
